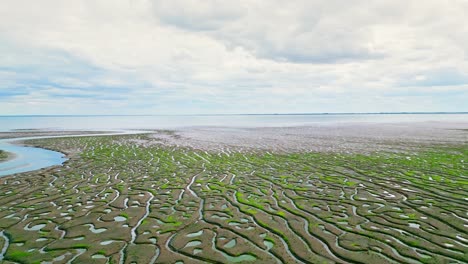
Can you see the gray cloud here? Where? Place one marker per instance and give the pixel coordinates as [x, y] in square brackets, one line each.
[302, 55]
[197, 15]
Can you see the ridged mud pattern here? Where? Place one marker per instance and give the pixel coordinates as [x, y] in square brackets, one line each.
[185, 205]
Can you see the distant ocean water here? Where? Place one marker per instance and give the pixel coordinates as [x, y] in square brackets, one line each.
[8, 123]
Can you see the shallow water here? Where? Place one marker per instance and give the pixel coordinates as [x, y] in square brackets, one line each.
[268, 244]
[107, 242]
[30, 158]
[199, 233]
[95, 230]
[119, 218]
[193, 243]
[153, 122]
[230, 244]
[27, 158]
[34, 228]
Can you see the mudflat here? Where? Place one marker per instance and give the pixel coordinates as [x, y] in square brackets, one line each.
[341, 137]
[349, 193]
[5, 156]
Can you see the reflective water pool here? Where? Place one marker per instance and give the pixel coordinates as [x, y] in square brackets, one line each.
[27, 158]
[31, 158]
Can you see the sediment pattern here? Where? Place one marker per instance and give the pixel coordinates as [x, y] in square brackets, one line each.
[121, 200]
[3, 155]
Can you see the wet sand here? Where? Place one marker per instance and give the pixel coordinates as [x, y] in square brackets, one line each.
[343, 137]
[40, 133]
[119, 201]
[338, 137]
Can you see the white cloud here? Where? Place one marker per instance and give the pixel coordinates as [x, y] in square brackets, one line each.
[234, 56]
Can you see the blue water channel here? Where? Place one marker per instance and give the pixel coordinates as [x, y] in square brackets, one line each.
[31, 158]
[27, 158]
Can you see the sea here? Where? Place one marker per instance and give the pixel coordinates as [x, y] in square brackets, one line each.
[140, 122]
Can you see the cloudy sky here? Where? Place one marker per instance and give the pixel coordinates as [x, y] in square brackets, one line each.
[220, 56]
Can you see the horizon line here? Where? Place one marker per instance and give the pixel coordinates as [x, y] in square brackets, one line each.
[238, 114]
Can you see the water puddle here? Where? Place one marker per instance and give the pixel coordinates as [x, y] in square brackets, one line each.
[80, 251]
[462, 238]
[230, 244]
[193, 243]
[268, 244]
[94, 230]
[199, 233]
[34, 228]
[98, 256]
[230, 259]
[216, 216]
[119, 219]
[107, 242]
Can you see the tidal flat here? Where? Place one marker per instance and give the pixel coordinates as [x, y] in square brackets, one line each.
[3, 155]
[273, 196]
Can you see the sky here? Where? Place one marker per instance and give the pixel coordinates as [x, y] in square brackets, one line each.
[228, 57]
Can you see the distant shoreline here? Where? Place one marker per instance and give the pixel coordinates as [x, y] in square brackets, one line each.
[260, 114]
[107, 122]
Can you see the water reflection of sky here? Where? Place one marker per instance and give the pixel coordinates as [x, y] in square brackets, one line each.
[28, 158]
[34, 158]
[155, 122]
